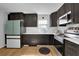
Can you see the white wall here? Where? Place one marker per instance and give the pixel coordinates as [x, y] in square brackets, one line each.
[3, 19]
[40, 8]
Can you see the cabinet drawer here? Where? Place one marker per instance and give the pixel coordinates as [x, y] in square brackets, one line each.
[13, 43]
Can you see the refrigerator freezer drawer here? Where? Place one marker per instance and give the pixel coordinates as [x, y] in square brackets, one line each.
[13, 43]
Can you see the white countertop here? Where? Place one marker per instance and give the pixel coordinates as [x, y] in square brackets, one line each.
[37, 30]
[41, 33]
[59, 38]
[69, 37]
[74, 40]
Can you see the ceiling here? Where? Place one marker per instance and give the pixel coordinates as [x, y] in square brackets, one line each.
[40, 8]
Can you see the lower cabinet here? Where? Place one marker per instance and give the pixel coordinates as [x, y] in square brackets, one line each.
[58, 44]
[51, 39]
[35, 39]
[60, 48]
[71, 49]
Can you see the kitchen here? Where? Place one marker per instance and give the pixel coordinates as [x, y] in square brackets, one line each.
[46, 29]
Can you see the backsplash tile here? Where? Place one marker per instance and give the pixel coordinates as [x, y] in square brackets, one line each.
[37, 30]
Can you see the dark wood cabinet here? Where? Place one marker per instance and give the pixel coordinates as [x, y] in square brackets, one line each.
[61, 11]
[15, 16]
[73, 7]
[56, 42]
[75, 12]
[30, 20]
[68, 7]
[59, 45]
[51, 39]
[71, 49]
[60, 48]
[35, 39]
[53, 19]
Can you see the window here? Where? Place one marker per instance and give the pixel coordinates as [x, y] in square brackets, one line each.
[43, 23]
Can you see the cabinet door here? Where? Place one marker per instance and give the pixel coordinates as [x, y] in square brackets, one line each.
[71, 49]
[51, 39]
[15, 16]
[61, 11]
[68, 7]
[53, 19]
[56, 42]
[16, 27]
[75, 13]
[35, 39]
[30, 20]
[9, 27]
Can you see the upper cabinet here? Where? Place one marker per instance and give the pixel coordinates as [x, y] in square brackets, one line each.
[75, 12]
[15, 16]
[30, 20]
[69, 7]
[53, 19]
[61, 11]
[66, 7]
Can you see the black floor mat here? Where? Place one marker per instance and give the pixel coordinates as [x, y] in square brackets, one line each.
[44, 50]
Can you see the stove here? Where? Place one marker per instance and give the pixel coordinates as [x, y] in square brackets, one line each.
[73, 29]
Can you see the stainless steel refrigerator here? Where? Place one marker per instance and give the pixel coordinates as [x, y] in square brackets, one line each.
[13, 30]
